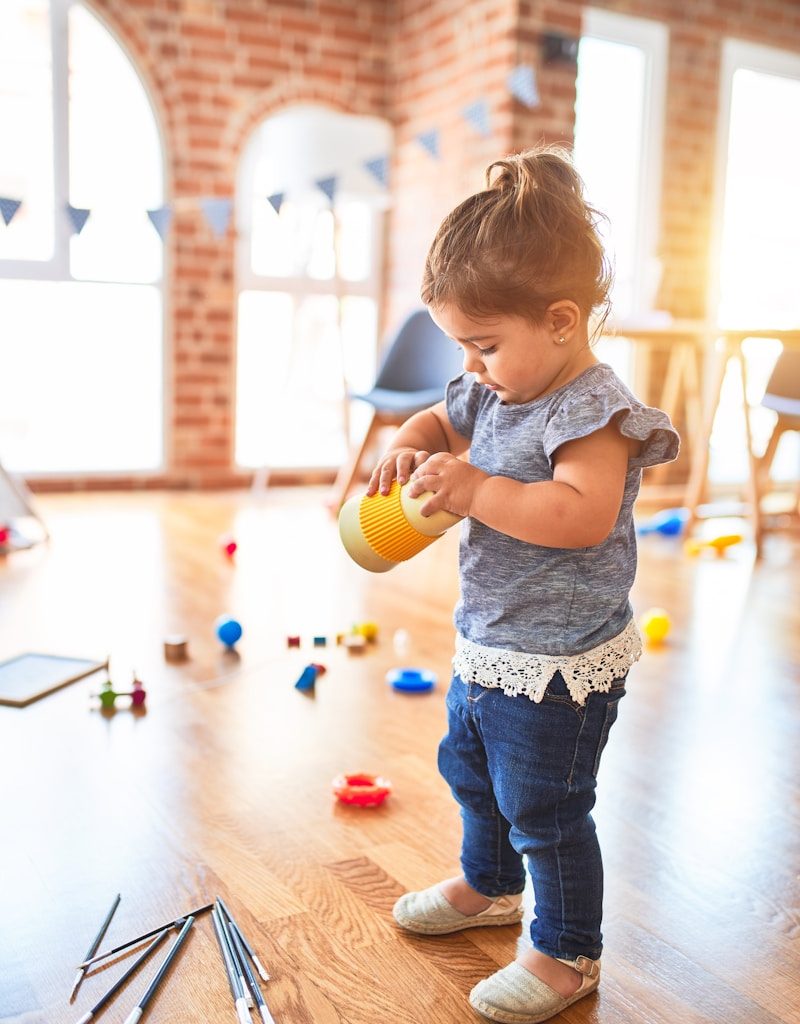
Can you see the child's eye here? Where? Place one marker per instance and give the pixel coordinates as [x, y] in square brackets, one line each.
[488, 351]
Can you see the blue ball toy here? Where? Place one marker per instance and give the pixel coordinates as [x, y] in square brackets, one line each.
[228, 630]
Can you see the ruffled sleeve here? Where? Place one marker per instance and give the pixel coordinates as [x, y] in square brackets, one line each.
[462, 401]
[584, 414]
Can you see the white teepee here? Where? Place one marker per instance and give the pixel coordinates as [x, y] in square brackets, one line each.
[16, 504]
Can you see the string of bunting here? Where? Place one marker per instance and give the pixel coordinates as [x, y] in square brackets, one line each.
[217, 211]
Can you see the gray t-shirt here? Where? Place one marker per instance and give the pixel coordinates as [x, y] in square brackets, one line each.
[542, 600]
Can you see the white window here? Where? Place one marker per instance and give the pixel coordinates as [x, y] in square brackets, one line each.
[309, 280]
[81, 363]
[756, 262]
[619, 117]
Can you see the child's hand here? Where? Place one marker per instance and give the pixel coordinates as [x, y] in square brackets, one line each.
[452, 481]
[398, 463]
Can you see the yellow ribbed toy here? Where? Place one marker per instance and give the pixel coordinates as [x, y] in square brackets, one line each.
[382, 530]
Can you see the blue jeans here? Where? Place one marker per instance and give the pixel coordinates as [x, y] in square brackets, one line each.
[525, 777]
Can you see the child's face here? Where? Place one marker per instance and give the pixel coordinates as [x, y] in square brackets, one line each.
[510, 356]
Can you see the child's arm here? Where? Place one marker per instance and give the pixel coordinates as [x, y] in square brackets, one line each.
[425, 432]
[576, 509]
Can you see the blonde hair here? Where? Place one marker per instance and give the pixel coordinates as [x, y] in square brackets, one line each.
[527, 240]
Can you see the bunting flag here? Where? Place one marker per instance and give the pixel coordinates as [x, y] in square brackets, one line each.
[328, 186]
[8, 208]
[276, 201]
[160, 220]
[477, 114]
[78, 218]
[522, 85]
[379, 169]
[430, 142]
[217, 213]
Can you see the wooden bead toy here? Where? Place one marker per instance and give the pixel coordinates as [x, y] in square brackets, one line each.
[228, 545]
[176, 647]
[320, 641]
[292, 641]
[369, 630]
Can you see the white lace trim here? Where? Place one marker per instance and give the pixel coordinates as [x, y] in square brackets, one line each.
[515, 672]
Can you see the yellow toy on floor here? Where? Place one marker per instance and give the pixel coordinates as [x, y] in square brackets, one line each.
[719, 545]
[655, 624]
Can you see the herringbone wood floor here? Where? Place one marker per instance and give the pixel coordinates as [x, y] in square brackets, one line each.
[222, 787]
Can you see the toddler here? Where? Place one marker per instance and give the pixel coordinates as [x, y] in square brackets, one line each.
[545, 635]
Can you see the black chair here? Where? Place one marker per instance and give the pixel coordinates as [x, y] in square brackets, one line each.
[418, 363]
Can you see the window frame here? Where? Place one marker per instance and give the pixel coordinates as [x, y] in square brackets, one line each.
[652, 38]
[297, 286]
[57, 268]
[736, 54]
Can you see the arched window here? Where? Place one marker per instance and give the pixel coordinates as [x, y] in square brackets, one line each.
[81, 314]
[309, 281]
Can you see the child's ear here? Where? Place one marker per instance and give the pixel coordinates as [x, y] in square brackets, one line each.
[564, 317]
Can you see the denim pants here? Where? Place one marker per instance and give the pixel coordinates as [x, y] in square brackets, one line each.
[525, 777]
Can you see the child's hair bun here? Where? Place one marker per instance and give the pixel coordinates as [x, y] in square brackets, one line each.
[529, 239]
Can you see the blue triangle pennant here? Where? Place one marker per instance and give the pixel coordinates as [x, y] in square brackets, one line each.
[160, 220]
[328, 186]
[379, 169]
[522, 85]
[217, 213]
[78, 218]
[430, 142]
[477, 114]
[8, 208]
[276, 201]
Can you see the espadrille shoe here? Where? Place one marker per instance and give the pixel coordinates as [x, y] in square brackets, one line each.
[428, 913]
[515, 996]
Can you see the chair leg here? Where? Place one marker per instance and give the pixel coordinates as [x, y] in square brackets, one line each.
[349, 470]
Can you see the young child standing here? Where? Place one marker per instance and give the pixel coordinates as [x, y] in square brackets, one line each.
[545, 635]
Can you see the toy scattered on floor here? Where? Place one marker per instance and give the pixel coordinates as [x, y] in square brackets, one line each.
[655, 624]
[355, 643]
[361, 789]
[401, 641]
[669, 523]
[292, 641]
[369, 630]
[411, 680]
[381, 531]
[719, 545]
[228, 630]
[320, 641]
[228, 545]
[108, 695]
[176, 647]
[309, 676]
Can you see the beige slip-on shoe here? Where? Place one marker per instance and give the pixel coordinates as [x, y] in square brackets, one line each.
[428, 913]
[515, 996]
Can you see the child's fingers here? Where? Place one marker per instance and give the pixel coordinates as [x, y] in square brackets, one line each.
[387, 473]
[406, 461]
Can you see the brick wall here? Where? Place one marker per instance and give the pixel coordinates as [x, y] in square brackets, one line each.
[216, 68]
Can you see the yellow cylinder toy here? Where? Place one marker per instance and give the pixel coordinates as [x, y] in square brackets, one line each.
[380, 531]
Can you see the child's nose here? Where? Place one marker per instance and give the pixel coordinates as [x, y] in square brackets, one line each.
[472, 361]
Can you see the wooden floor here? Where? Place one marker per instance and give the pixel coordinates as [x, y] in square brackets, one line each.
[223, 786]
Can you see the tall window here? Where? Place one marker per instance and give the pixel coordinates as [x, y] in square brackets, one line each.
[81, 374]
[619, 116]
[309, 279]
[757, 258]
